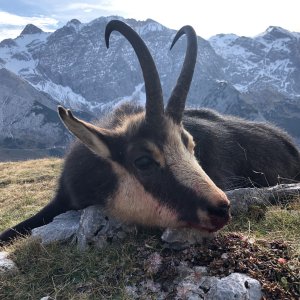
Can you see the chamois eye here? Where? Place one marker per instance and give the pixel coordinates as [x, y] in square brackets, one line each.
[144, 163]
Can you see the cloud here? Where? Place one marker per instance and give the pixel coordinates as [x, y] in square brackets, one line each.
[207, 17]
[86, 11]
[9, 34]
[80, 5]
[42, 21]
[11, 25]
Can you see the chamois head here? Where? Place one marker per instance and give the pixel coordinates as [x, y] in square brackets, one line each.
[160, 182]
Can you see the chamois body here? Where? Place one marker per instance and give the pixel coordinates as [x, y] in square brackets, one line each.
[239, 153]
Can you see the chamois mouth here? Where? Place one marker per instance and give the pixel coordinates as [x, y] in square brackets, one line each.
[212, 228]
[201, 228]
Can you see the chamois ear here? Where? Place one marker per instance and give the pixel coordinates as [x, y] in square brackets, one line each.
[95, 138]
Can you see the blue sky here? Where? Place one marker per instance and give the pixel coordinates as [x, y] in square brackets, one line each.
[209, 17]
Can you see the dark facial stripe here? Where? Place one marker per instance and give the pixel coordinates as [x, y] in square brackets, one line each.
[182, 199]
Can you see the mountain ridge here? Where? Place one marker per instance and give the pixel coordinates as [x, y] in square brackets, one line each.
[256, 78]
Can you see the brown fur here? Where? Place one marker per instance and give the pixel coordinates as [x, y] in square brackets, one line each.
[187, 169]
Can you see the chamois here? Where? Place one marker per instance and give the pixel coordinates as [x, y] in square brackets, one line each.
[139, 165]
[165, 167]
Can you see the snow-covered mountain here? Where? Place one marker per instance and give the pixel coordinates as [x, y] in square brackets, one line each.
[256, 78]
[270, 60]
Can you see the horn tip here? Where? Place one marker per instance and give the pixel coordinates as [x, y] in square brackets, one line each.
[62, 111]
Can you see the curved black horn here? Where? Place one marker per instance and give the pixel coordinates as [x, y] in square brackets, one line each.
[154, 96]
[176, 103]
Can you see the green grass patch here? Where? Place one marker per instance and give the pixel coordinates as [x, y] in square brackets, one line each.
[63, 272]
[277, 223]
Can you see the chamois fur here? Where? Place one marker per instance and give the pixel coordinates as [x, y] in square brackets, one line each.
[238, 153]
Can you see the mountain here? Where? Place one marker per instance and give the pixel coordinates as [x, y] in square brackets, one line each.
[270, 60]
[255, 78]
[73, 65]
[29, 120]
[266, 70]
[28, 117]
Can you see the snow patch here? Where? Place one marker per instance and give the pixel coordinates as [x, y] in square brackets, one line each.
[222, 40]
[138, 97]
[17, 59]
[250, 65]
[149, 26]
[75, 24]
[64, 95]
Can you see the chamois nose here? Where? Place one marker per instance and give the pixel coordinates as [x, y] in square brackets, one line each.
[221, 215]
[224, 209]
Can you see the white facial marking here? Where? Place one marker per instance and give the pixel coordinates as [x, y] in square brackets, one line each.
[132, 204]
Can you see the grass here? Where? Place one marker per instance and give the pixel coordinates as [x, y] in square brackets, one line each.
[65, 273]
[62, 272]
[25, 187]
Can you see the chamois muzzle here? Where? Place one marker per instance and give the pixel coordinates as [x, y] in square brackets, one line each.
[217, 213]
[218, 210]
[222, 216]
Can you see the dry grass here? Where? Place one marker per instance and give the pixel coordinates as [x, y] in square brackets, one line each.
[25, 187]
[64, 273]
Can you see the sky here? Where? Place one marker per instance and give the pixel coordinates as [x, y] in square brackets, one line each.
[209, 17]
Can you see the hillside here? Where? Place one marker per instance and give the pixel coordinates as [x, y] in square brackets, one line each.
[255, 245]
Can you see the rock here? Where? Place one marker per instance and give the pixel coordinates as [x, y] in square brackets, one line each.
[235, 286]
[7, 266]
[192, 290]
[97, 229]
[63, 228]
[224, 256]
[31, 29]
[28, 117]
[197, 285]
[131, 292]
[182, 238]
[243, 199]
[90, 227]
[194, 283]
